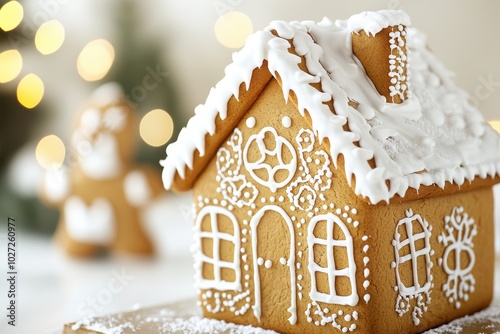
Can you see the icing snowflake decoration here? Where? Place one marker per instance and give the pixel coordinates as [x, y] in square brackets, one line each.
[413, 252]
[234, 186]
[457, 237]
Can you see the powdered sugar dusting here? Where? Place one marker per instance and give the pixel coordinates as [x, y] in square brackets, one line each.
[112, 326]
[486, 321]
[185, 317]
[179, 318]
[204, 325]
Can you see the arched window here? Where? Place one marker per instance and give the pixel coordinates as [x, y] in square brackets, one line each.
[217, 254]
[331, 261]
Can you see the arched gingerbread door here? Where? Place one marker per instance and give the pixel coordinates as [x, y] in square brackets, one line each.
[273, 249]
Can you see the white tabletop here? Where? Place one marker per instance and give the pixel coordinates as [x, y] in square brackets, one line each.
[53, 289]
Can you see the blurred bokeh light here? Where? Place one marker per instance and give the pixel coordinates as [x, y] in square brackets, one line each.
[11, 64]
[95, 60]
[495, 125]
[30, 91]
[232, 29]
[11, 14]
[156, 128]
[49, 37]
[50, 152]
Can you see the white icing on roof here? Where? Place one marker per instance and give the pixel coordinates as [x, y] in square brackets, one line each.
[373, 22]
[433, 137]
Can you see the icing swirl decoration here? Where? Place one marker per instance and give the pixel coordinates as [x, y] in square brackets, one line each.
[234, 186]
[316, 174]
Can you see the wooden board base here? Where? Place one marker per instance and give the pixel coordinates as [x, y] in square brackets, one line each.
[185, 317]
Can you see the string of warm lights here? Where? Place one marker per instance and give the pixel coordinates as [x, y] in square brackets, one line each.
[11, 14]
[30, 91]
[495, 125]
[50, 152]
[232, 29]
[48, 39]
[156, 128]
[95, 60]
[93, 63]
[11, 64]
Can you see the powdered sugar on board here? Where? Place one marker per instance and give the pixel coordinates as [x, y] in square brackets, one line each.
[185, 317]
[486, 321]
[202, 325]
[178, 318]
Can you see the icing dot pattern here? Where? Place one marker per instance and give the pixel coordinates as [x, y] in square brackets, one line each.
[286, 122]
[250, 122]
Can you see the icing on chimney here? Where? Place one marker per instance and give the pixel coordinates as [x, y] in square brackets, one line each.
[379, 42]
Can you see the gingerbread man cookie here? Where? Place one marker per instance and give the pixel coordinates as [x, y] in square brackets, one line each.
[101, 194]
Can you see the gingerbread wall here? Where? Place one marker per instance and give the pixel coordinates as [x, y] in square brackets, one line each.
[457, 247]
[273, 219]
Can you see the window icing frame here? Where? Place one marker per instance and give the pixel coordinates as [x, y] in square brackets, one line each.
[330, 243]
[215, 235]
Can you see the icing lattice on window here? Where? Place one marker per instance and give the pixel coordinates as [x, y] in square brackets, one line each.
[413, 253]
[337, 242]
[207, 227]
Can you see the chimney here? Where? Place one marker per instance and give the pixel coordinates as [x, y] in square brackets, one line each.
[379, 42]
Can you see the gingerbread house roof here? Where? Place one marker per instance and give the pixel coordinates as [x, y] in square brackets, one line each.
[434, 136]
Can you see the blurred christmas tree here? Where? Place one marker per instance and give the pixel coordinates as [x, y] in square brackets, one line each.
[139, 67]
[17, 125]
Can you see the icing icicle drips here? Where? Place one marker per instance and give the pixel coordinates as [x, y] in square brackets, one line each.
[435, 136]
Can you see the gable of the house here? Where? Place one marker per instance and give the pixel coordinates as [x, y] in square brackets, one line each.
[267, 206]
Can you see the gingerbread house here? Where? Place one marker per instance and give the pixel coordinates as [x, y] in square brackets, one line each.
[342, 183]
